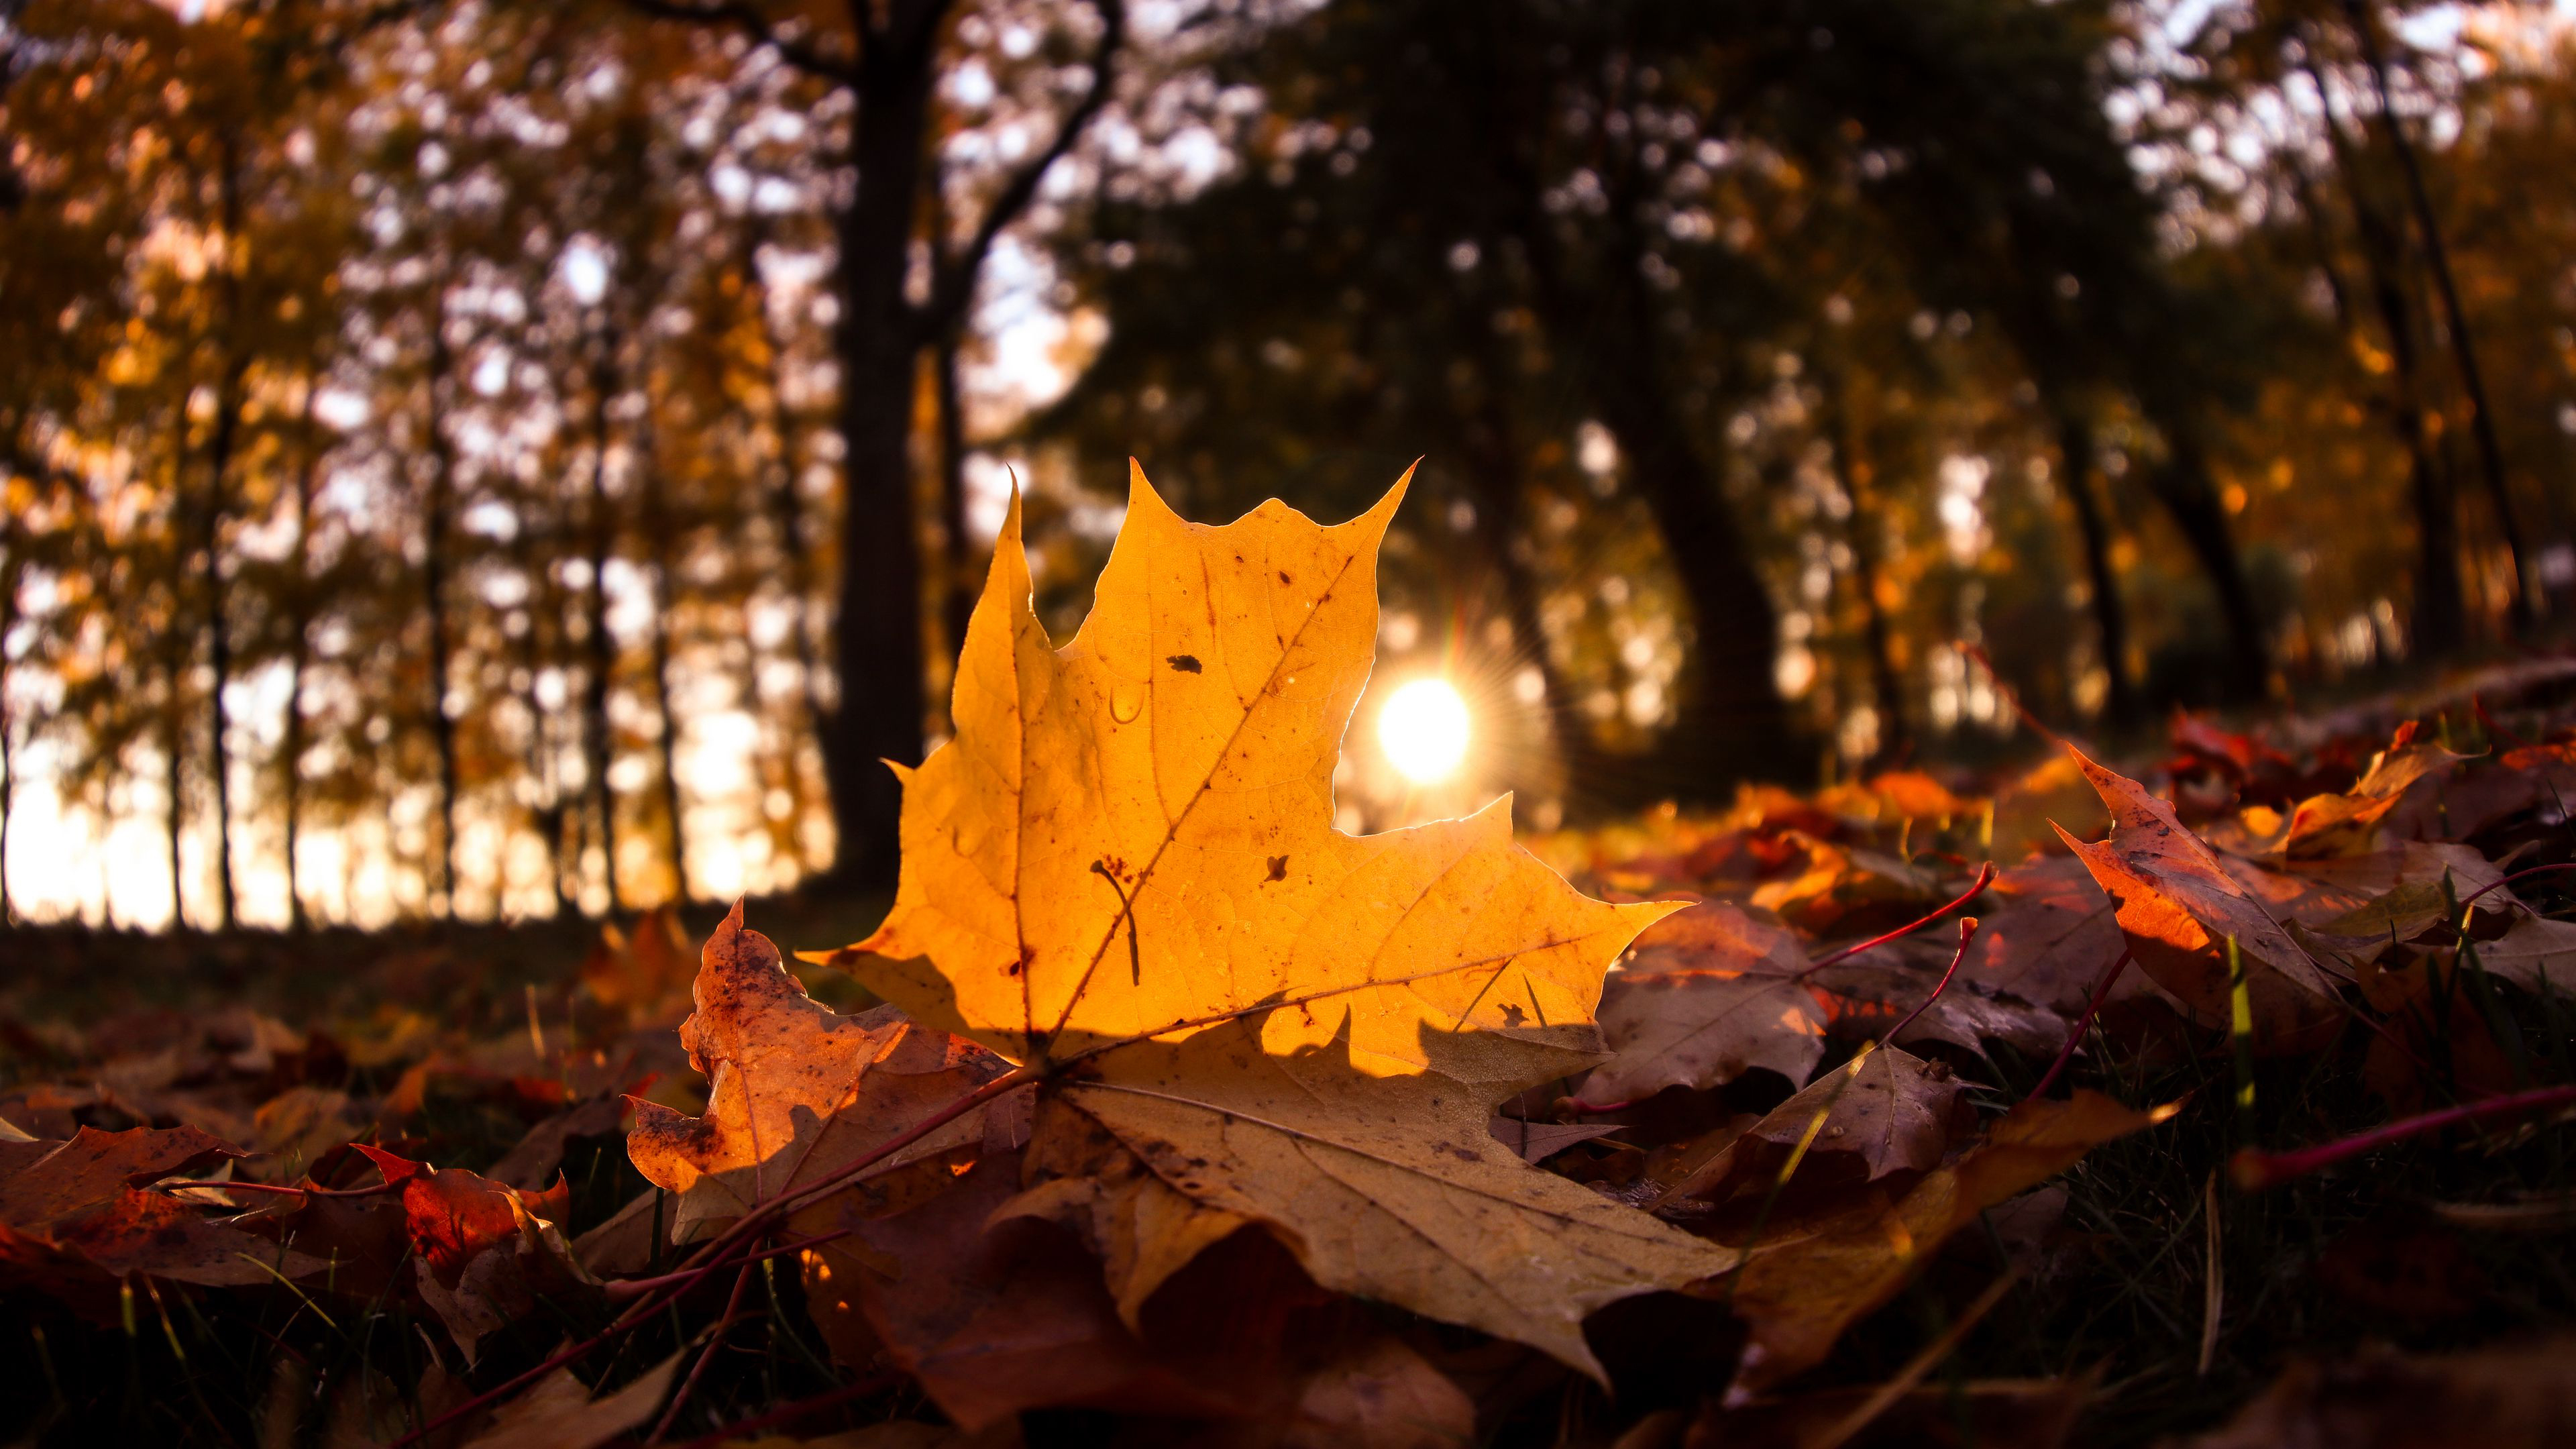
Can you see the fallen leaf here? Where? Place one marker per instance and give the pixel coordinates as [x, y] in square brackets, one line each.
[2324, 826]
[94, 1167]
[1000, 1319]
[75, 1217]
[539, 1155]
[1539, 1141]
[1810, 1278]
[1133, 836]
[2533, 950]
[1870, 994]
[487, 1252]
[1391, 1188]
[1887, 1111]
[1702, 998]
[796, 1090]
[641, 971]
[2177, 904]
[558, 1412]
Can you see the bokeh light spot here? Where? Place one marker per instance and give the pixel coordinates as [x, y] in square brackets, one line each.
[1424, 730]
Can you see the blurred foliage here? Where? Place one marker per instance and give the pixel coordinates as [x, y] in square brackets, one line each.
[435, 432]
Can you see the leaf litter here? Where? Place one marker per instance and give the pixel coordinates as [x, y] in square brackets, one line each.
[1157, 1097]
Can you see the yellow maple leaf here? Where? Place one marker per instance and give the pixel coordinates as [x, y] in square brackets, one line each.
[1132, 837]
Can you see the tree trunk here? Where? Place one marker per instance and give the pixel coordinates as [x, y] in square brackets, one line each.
[299, 659]
[1494, 470]
[219, 459]
[433, 581]
[2464, 350]
[960, 583]
[786, 498]
[659, 527]
[878, 650]
[12, 564]
[2436, 623]
[2110, 612]
[2183, 485]
[602, 654]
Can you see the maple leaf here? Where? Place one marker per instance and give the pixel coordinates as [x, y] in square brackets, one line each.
[1705, 997]
[2178, 904]
[485, 1253]
[75, 1216]
[795, 1090]
[1133, 836]
[1888, 1111]
[1809, 1279]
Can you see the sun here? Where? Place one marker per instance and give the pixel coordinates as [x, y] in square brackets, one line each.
[1423, 728]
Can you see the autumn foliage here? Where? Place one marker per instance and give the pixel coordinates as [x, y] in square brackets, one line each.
[1183, 1108]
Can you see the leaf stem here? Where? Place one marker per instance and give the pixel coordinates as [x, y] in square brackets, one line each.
[1985, 877]
[2066, 1053]
[2255, 1170]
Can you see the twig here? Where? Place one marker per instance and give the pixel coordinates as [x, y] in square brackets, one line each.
[1921, 1364]
[2255, 1171]
[706, 1356]
[173, 1184]
[1967, 933]
[1985, 878]
[2503, 881]
[625, 1288]
[2066, 1053]
[789, 1413]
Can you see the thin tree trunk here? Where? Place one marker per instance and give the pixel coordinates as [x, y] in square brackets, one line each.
[2491, 469]
[2436, 622]
[219, 457]
[958, 595]
[2075, 456]
[433, 583]
[1887, 684]
[12, 565]
[175, 651]
[1495, 472]
[299, 659]
[546, 811]
[2183, 486]
[658, 529]
[879, 695]
[601, 650]
[786, 498]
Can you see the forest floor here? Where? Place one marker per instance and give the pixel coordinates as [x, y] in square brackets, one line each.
[2422, 1291]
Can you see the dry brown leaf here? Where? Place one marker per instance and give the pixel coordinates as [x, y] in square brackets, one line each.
[1392, 1188]
[1539, 1141]
[2177, 904]
[1704, 997]
[2327, 826]
[998, 1319]
[1879, 990]
[485, 1253]
[796, 1090]
[558, 1412]
[1811, 1278]
[75, 1217]
[2531, 950]
[1134, 834]
[1888, 1111]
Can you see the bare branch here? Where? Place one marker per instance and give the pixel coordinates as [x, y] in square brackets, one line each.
[749, 18]
[954, 282]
